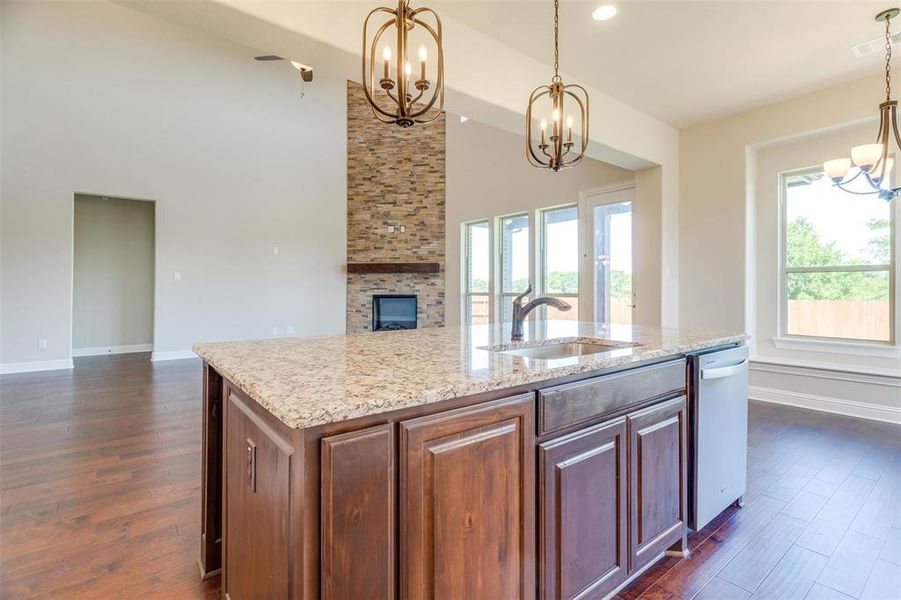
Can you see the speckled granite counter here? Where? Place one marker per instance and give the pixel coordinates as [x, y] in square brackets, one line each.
[316, 380]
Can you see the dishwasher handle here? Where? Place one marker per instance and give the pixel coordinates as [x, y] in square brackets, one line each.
[718, 372]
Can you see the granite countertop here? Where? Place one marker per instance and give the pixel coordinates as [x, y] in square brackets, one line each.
[325, 379]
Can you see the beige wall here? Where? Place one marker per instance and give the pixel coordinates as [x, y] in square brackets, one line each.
[101, 99]
[728, 245]
[113, 272]
[488, 176]
[717, 174]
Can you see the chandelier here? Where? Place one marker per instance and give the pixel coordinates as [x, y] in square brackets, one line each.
[397, 98]
[873, 161]
[554, 149]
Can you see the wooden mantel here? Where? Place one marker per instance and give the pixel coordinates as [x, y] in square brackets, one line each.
[393, 267]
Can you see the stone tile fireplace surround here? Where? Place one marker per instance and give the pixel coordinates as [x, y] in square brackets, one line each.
[395, 178]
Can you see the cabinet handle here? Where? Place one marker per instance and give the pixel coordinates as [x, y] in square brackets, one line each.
[251, 465]
[718, 372]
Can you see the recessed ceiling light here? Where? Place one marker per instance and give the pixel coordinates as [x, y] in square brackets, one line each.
[604, 12]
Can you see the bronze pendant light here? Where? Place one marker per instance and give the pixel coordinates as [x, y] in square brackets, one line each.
[873, 161]
[397, 98]
[555, 151]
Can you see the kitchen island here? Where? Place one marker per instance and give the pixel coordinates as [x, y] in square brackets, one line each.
[446, 462]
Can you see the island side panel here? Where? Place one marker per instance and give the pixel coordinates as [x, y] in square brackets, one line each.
[211, 475]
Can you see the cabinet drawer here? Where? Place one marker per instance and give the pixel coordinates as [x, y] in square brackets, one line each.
[571, 403]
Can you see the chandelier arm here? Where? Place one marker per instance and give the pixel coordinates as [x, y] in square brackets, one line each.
[583, 108]
[439, 84]
[847, 191]
[894, 117]
[537, 93]
[376, 107]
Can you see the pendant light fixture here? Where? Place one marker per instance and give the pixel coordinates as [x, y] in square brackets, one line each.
[874, 161]
[560, 103]
[397, 97]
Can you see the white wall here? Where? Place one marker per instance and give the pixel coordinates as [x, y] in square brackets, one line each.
[488, 176]
[101, 99]
[113, 273]
[327, 34]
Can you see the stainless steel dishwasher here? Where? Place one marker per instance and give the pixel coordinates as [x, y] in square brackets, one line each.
[718, 440]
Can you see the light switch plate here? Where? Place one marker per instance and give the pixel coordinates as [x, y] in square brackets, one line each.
[176, 276]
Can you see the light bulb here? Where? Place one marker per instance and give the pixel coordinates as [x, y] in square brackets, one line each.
[407, 69]
[604, 12]
[423, 53]
[556, 115]
[866, 155]
[569, 122]
[837, 169]
[543, 124]
[386, 53]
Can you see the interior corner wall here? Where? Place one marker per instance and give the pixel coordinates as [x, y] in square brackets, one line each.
[488, 176]
[98, 98]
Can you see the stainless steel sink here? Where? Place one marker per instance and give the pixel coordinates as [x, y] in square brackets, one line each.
[566, 349]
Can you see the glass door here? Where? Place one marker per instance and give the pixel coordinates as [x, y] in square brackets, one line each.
[609, 256]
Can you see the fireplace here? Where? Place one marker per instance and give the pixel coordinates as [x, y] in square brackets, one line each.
[393, 311]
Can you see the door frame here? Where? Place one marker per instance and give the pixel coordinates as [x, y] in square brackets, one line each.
[588, 200]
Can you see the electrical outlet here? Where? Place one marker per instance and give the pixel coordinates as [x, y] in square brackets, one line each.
[390, 228]
[176, 276]
[275, 249]
[289, 330]
[275, 331]
[42, 343]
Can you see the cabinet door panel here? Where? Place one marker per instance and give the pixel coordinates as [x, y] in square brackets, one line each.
[257, 484]
[657, 447]
[358, 523]
[467, 510]
[582, 507]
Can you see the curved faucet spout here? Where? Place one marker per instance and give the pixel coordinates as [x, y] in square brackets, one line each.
[520, 312]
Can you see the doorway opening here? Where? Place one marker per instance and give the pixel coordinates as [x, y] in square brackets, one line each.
[609, 265]
[113, 275]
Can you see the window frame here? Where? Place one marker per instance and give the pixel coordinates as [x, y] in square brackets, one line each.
[851, 345]
[500, 295]
[541, 254]
[466, 270]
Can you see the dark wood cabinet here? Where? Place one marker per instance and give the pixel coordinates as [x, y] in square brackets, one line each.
[583, 547]
[657, 446]
[468, 502]
[257, 483]
[358, 514]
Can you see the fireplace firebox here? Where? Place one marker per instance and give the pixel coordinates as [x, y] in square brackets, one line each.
[393, 312]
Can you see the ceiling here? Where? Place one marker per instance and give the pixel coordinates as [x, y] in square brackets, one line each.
[686, 62]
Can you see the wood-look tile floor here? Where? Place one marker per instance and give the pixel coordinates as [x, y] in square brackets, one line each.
[100, 497]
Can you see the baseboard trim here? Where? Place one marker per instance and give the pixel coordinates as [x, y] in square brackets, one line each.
[171, 355]
[100, 350]
[861, 410]
[38, 365]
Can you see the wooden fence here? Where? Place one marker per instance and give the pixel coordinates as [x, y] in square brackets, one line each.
[854, 319]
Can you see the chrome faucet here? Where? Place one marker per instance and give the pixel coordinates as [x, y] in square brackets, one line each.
[520, 312]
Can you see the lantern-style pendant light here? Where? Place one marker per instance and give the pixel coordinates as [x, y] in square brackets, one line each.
[397, 97]
[874, 161]
[561, 103]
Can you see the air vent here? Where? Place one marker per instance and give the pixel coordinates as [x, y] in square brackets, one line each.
[874, 46]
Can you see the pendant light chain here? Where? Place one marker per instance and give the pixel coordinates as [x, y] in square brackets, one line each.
[888, 60]
[557, 40]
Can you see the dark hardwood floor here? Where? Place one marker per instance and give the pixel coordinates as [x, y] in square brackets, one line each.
[100, 497]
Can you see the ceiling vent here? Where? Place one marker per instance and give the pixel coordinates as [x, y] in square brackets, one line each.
[874, 46]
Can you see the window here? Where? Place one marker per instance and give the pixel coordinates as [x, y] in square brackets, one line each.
[837, 261]
[560, 259]
[476, 265]
[514, 261]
